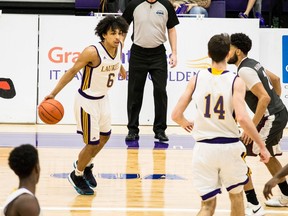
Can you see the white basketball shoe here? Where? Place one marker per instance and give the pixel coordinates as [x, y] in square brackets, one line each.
[255, 210]
[281, 201]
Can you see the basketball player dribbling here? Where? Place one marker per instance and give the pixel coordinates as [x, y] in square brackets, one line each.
[101, 64]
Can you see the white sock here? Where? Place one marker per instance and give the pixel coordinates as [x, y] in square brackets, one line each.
[79, 173]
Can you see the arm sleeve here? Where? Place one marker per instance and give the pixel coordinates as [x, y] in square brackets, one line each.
[172, 17]
[249, 76]
[128, 12]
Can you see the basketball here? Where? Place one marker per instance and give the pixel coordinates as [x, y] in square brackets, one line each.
[50, 111]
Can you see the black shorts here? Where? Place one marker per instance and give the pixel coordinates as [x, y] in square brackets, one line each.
[271, 130]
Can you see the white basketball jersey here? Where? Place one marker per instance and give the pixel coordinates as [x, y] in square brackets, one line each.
[215, 115]
[14, 195]
[96, 81]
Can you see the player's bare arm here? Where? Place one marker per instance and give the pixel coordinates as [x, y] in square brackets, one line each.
[263, 100]
[183, 102]
[122, 72]
[244, 119]
[275, 81]
[278, 177]
[88, 56]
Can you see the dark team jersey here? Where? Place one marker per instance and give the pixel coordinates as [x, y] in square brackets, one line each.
[253, 66]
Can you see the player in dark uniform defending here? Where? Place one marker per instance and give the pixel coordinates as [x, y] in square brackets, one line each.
[151, 19]
[270, 114]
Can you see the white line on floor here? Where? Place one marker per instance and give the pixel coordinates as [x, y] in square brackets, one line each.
[123, 209]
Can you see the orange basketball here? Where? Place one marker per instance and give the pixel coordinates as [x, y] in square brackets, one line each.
[50, 111]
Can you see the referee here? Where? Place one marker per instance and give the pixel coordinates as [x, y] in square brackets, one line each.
[151, 20]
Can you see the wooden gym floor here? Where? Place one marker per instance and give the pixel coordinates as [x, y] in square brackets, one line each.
[134, 179]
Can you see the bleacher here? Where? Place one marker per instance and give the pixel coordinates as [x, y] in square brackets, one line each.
[232, 5]
[270, 9]
[218, 8]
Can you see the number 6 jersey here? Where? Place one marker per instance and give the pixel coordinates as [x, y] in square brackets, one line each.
[96, 81]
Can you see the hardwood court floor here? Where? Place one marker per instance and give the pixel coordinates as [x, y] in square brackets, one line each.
[152, 179]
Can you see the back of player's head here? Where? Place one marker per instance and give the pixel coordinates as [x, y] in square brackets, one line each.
[113, 22]
[218, 47]
[23, 159]
[242, 42]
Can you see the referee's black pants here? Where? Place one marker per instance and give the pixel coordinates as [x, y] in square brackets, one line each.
[142, 61]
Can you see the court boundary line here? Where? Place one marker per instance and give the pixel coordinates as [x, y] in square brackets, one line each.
[131, 209]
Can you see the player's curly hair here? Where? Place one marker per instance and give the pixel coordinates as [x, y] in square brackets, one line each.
[218, 47]
[242, 42]
[23, 159]
[113, 22]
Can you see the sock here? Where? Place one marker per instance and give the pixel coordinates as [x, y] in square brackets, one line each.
[78, 173]
[251, 197]
[284, 188]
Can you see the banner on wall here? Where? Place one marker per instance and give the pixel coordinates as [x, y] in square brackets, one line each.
[18, 68]
[62, 39]
[285, 58]
[59, 47]
[274, 56]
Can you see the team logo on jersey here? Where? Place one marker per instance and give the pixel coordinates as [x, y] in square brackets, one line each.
[160, 12]
[7, 89]
[108, 68]
[285, 58]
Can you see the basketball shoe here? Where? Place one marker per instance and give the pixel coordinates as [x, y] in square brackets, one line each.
[281, 201]
[80, 185]
[242, 15]
[88, 175]
[256, 210]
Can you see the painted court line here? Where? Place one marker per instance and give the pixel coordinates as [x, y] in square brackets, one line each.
[122, 209]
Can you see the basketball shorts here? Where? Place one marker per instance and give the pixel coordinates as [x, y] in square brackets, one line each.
[93, 118]
[218, 165]
[271, 131]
